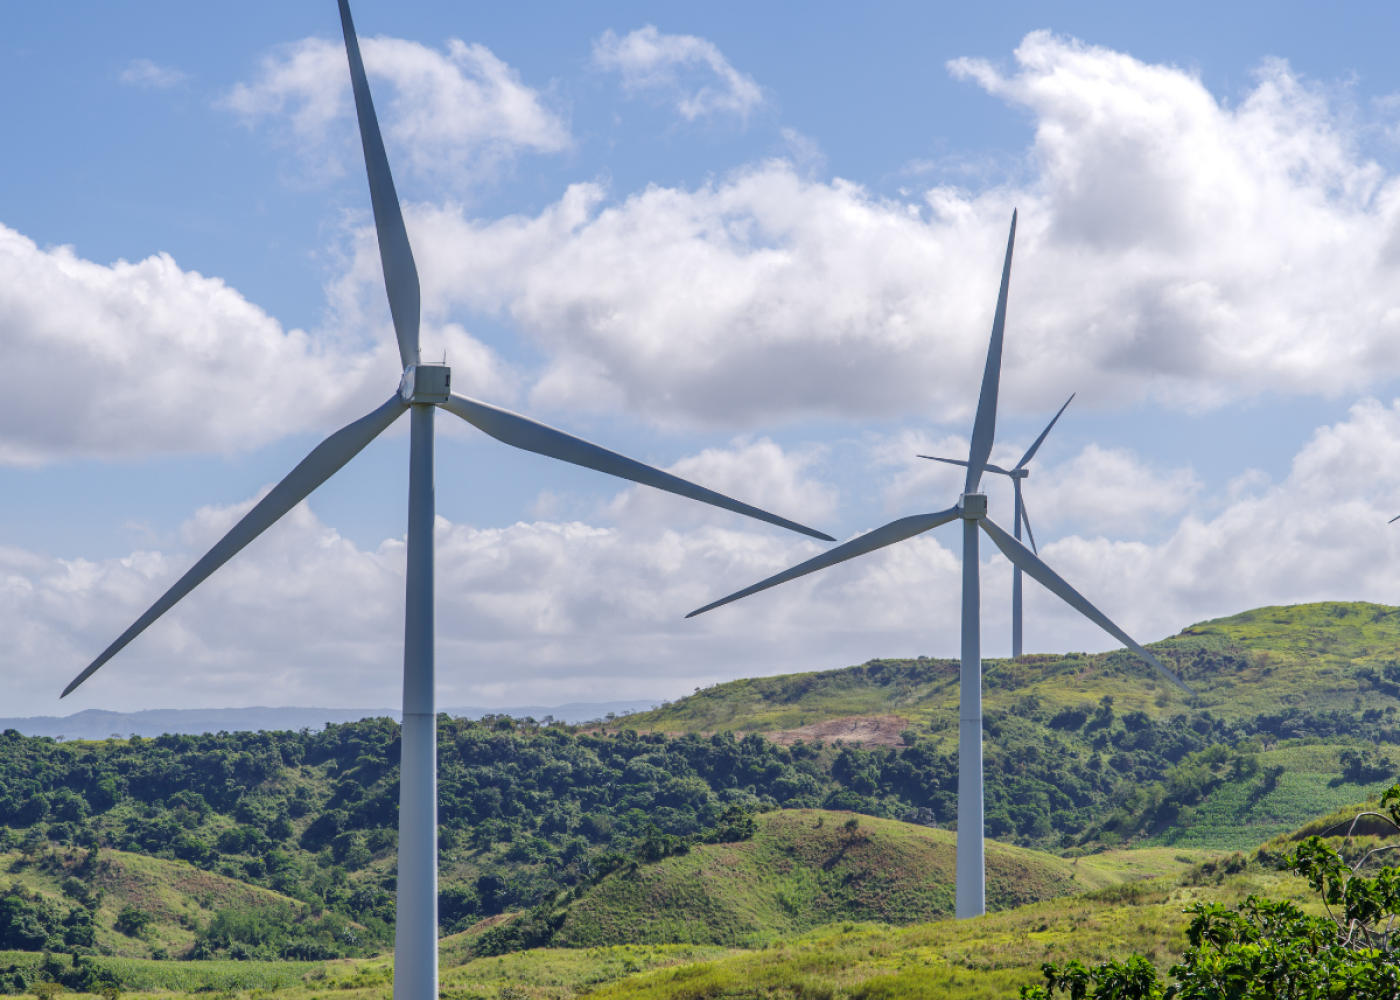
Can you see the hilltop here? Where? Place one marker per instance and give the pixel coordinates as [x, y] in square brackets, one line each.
[805, 868]
[1281, 662]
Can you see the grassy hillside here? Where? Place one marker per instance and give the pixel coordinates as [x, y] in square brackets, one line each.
[174, 896]
[960, 960]
[1316, 656]
[807, 868]
[1239, 815]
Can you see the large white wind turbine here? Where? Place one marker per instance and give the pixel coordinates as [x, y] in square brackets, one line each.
[421, 390]
[972, 509]
[1017, 473]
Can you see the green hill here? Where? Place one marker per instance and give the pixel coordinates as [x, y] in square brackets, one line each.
[173, 897]
[1280, 661]
[807, 868]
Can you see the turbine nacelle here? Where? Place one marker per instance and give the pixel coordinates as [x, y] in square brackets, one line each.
[972, 506]
[426, 384]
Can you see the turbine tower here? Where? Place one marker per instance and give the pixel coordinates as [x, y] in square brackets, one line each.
[1017, 473]
[972, 510]
[422, 389]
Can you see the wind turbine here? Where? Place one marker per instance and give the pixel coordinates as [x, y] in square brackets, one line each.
[972, 509]
[422, 389]
[1017, 473]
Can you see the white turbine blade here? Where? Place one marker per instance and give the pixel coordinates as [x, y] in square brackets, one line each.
[1030, 454]
[984, 428]
[989, 467]
[1393, 519]
[400, 273]
[324, 461]
[1032, 565]
[895, 531]
[1026, 520]
[531, 435]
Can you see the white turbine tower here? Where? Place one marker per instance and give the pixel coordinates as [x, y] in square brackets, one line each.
[1017, 473]
[972, 509]
[421, 390]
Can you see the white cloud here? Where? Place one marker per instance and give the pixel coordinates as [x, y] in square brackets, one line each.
[144, 73]
[759, 473]
[1171, 248]
[561, 611]
[145, 358]
[1107, 491]
[651, 61]
[450, 112]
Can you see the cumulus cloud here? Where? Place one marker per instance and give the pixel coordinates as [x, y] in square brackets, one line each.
[757, 472]
[130, 359]
[144, 73]
[1108, 491]
[450, 113]
[559, 611]
[675, 65]
[1105, 491]
[322, 620]
[1172, 248]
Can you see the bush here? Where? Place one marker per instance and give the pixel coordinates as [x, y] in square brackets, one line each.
[1268, 949]
[132, 922]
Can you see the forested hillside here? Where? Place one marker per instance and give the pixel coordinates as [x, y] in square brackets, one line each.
[1297, 717]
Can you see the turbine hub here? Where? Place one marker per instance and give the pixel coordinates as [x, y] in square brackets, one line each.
[974, 506]
[426, 384]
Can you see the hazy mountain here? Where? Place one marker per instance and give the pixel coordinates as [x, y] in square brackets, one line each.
[98, 724]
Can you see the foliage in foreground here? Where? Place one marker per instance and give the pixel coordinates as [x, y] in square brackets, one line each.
[1272, 950]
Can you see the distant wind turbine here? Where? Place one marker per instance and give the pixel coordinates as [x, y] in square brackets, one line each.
[972, 509]
[1017, 473]
[422, 389]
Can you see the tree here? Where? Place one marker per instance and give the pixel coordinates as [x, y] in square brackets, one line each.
[1271, 950]
[133, 922]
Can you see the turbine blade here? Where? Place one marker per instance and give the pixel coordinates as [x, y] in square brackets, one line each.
[989, 467]
[984, 428]
[1026, 520]
[531, 435]
[324, 461]
[1393, 519]
[1030, 454]
[1032, 565]
[895, 531]
[400, 273]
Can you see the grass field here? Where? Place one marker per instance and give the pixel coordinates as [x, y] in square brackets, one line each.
[146, 976]
[960, 960]
[1235, 818]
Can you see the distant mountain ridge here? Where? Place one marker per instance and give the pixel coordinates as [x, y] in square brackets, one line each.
[99, 724]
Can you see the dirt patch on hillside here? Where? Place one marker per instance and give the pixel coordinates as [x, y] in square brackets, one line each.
[867, 730]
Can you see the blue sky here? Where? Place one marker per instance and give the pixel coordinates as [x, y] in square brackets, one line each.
[756, 245]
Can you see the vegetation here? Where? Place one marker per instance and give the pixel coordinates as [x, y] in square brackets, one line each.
[283, 845]
[803, 869]
[1270, 949]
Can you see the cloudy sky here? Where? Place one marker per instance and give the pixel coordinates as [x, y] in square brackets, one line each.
[757, 245]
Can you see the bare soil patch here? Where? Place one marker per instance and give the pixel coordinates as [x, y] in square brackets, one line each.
[867, 730]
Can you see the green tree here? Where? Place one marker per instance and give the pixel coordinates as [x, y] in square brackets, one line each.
[1272, 950]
